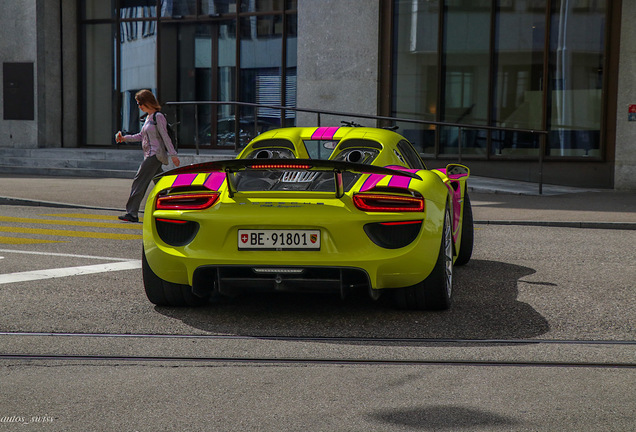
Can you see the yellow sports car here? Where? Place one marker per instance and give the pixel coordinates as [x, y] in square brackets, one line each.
[309, 209]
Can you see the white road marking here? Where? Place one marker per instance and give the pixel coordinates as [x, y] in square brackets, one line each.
[121, 264]
[63, 255]
[68, 271]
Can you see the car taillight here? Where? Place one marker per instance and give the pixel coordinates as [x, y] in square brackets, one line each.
[388, 203]
[188, 201]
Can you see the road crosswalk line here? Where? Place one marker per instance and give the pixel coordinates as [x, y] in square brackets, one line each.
[68, 271]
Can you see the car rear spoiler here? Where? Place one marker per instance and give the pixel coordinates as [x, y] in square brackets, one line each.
[231, 166]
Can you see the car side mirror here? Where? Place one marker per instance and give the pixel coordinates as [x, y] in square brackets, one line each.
[457, 170]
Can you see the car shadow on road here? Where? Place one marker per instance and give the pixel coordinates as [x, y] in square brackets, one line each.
[485, 306]
[444, 417]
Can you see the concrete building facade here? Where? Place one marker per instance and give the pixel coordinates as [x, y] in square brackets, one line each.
[394, 58]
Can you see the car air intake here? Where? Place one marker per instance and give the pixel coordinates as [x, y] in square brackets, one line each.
[175, 232]
[393, 235]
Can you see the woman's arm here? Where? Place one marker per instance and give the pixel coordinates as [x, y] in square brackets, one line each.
[119, 137]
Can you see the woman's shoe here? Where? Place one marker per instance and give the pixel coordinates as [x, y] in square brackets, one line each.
[129, 218]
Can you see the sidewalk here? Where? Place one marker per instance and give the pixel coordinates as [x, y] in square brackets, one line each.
[494, 201]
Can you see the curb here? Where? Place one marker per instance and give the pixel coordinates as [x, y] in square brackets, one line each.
[36, 203]
[565, 224]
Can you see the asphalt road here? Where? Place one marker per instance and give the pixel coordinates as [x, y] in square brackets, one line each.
[540, 338]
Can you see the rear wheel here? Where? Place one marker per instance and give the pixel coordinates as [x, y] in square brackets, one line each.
[468, 234]
[433, 293]
[164, 293]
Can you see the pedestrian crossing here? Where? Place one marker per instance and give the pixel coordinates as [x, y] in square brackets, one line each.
[59, 227]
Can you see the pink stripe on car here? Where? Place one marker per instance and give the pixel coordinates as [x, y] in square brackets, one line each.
[324, 133]
[184, 180]
[214, 180]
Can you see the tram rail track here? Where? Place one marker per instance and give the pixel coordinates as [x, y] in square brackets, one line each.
[329, 338]
[409, 358]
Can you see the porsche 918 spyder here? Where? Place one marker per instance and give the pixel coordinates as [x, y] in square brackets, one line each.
[309, 209]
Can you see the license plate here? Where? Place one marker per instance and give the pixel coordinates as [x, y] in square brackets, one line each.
[282, 239]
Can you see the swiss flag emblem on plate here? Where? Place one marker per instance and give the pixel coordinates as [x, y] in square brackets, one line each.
[244, 238]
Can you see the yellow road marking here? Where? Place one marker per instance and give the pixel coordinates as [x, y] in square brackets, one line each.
[18, 240]
[68, 233]
[80, 216]
[120, 225]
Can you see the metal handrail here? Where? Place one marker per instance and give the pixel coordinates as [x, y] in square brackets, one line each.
[319, 113]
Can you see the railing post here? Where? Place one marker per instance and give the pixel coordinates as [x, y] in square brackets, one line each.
[196, 128]
[542, 140]
[459, 143]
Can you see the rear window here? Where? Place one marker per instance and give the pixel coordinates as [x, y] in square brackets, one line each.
[320, 149]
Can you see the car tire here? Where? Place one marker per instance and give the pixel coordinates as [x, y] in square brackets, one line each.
[468, 234]
[433, 293]
[164, 293]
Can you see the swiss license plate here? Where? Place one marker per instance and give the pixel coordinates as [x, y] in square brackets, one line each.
[281, 239]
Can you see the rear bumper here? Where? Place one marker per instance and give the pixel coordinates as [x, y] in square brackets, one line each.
[233, 280]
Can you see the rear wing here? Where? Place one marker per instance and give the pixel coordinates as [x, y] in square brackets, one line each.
[231, 166]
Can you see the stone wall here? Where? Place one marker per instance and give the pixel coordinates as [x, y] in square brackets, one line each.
[43, 33]
[18, 44]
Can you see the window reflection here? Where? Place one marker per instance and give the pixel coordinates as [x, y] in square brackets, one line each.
[97, 9]
[262, 5]
[178, 8]
[518, 91]
[415, 80]
[206, 70]
[497, 79]
[576, 77]
[217, 7]
[466, 79]
[138, 46]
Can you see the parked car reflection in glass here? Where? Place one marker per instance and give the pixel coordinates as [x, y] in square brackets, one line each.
[225, 132]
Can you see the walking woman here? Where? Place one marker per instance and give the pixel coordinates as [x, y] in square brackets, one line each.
[154, 142]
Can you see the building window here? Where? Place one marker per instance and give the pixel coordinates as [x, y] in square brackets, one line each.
[187, 50]
[493, 69]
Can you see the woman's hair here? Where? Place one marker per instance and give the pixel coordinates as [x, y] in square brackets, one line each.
[146, 97]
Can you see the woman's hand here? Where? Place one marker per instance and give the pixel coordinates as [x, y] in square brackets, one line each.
[119, 137]
[176, 161]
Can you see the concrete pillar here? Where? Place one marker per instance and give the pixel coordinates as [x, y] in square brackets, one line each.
[338, 46]
[49, 73]
[625, 163]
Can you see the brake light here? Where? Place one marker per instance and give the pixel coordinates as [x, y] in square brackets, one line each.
[280, 166]
[413, 222]
[388, 203]
[172, 221]
[191, 201]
